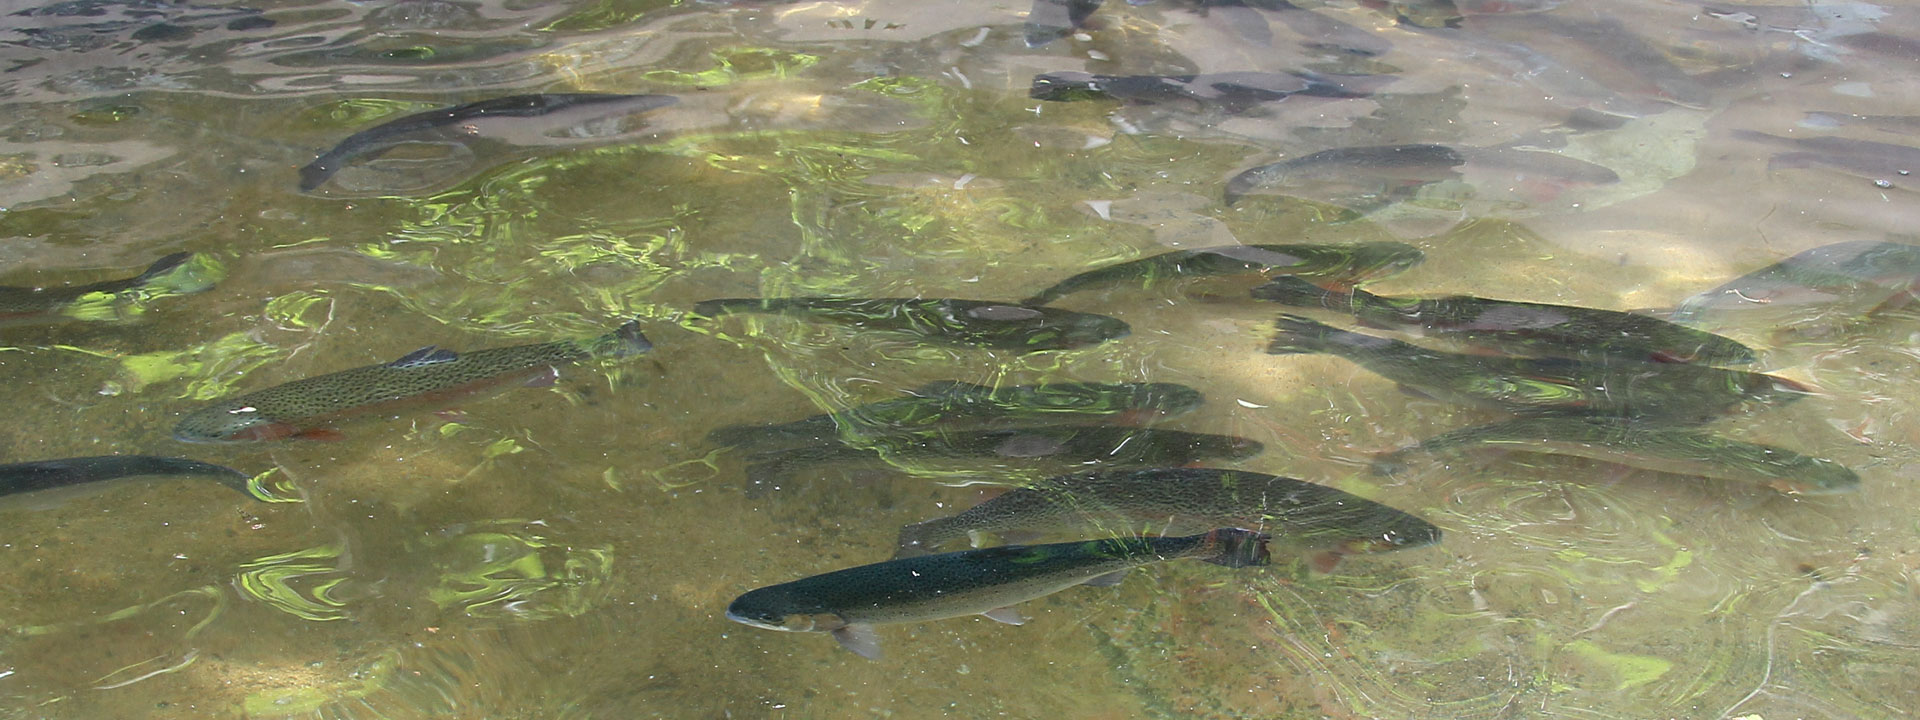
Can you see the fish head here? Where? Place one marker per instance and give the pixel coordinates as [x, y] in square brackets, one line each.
[751, 610]
[230, 423]
[1820, 477]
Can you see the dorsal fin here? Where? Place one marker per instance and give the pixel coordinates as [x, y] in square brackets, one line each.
[423, 357]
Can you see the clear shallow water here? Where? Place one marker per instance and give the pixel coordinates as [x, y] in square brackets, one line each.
[569, 552]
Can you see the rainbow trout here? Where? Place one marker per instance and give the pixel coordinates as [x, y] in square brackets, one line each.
[848, 603]
[1322, 521]
[1860, 276]
[1654, 392]
[1064, 446]
[1228, 92]
[952, 404]
[979, 323]
[170, 275]
[1378, 173]
[498, 118]
[1520, 328]
[430, 378]
[1662, 449]
[49, 474]
[1338, 264]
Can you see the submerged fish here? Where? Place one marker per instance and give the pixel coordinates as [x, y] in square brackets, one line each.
[1521, 328]
[1666, 392]
[1324, 521]
[1229, 92]
[49, 474]
[950, 404]
[1063, 446]
[1380, 173]
[171, 275]
[1653, 448]
[523, 119]
[982, 323]
[1337, 264]
[1886, 163]
[848, 603]
[1843, 277]
[429, 378]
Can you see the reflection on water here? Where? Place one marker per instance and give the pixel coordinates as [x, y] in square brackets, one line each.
[570, 551]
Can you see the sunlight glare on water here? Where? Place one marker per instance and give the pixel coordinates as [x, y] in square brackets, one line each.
[570, 549]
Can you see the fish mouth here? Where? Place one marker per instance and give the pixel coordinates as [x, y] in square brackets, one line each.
[756, 622]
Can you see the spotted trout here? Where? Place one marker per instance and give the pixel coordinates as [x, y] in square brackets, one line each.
[523, 118]
[170, 275]
[1343, 265]
[429, 378]
[1058, 446]
[1653, 392]
[66, 472]
[1321, 521]
[957, 405]
[1520, 328]
[847, 604]
[1227, 92]
[1653, 448]
[976, 323]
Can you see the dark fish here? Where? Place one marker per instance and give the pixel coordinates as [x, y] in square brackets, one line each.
[49, 474]
[171, 275]
[487, 119]
[1060, 446]
[1520, 328]
[1884, 163]
[849, 603]
[1667, 392]
[1883, 123]
[1051, 20]
[1336, 264]
[1229, 92]
[1653, 448]
[1842, 277]
[429, 378]
[954, 405]
[981, 323]
[1382, 172]
[1323, 521]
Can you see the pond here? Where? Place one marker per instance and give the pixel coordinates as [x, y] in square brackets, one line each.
[604, 190]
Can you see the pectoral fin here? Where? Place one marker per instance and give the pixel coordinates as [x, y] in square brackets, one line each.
[1006, 615]
[1109, 580]
[861, 639]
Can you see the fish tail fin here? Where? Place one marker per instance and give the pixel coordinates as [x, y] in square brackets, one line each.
[625, 341]
[1236, 548]
[1291, 290]
[181, 273]
[1297, 335]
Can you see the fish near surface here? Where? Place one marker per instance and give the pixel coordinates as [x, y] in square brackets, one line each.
[957, 405]
[1664, 449]
[1227, 92]
[1653, 392]
[39, 475]
[1887, 164]
[1056, 446]
[1849, 277]
[1335, 264]
[517, 119]
[975, 323]
[428, 378]
[1323, 521]
[1520, 328]
[848, 603]
[174, 274]
[1374, 174]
